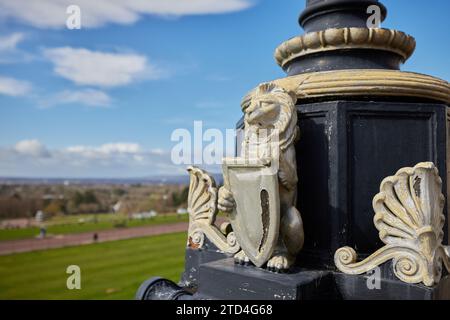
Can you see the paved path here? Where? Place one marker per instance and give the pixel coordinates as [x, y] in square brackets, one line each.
[25, 245]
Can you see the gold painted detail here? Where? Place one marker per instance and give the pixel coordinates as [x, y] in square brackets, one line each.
[367, 83]
[346, 38]
[410, 220]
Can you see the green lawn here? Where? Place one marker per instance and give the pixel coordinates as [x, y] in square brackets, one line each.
[70, 225]
[110, 270]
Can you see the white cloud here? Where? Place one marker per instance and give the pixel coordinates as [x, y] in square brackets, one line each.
[10, 42]
[116, 153]
[10, 51]
[158, 151]
[14, 87]
[31, 148]
[116, 159]
[106, 150]
[120, 147]
[87, 97]
[52, 13]
[96, 68]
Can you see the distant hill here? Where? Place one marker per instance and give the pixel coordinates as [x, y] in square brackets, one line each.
[151, 180]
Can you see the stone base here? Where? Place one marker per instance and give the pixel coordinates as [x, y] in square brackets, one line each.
[224, 280]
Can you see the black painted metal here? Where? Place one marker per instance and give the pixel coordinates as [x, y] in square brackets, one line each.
[194, 258]
[224, 280]
[344, 60]
[346, 149]
[326, 14]
[158, 288]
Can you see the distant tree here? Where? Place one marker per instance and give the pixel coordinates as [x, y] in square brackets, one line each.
[89, 197]
[77, 198]
[175, 199]
[184, 195]
[16, 196]
[82, 202]
[54, 208]
[179, 198]
[86, 197]
[12, 207]
[119, 192]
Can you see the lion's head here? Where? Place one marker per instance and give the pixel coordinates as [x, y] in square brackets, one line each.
[271, 108]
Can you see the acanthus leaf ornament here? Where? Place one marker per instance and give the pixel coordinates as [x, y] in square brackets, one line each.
[202, 208]
[409, 218]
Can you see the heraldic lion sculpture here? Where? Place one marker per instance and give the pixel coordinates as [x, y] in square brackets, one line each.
[270, 131]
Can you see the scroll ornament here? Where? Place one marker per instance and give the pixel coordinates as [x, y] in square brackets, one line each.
[410, 220]
[202, 208]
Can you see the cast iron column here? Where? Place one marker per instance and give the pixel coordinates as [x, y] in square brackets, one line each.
[361, 119]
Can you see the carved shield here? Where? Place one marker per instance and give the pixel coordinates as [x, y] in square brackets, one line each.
[256, 217]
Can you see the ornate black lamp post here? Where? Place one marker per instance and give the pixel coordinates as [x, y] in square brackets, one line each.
[361, 119]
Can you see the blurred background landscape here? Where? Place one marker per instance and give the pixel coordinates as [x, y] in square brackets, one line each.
[87, 116]
[47, 225]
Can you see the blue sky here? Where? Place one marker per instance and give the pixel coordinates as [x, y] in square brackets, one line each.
[103, 101]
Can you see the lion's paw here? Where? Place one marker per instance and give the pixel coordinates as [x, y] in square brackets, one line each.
[241, 258]
[279, 263]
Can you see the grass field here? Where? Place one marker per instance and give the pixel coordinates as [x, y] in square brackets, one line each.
[111, 270]
[71, 225]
